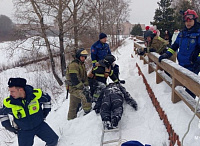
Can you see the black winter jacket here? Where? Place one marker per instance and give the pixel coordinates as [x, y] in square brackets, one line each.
[115, 89]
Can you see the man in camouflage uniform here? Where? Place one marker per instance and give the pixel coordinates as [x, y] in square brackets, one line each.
[78, 82]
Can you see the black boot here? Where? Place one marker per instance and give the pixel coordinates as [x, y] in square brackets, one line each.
[106, 123]
[114, 121]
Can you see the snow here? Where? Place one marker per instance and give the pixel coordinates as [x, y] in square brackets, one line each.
[143, 125]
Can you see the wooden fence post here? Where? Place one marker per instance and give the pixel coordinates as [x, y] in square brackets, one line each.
[175, 98]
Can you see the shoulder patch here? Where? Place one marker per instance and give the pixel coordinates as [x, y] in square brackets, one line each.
[92, 50]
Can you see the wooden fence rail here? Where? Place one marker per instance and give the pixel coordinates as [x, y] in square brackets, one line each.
[178, 78]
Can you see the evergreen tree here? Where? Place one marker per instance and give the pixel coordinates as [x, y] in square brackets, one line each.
[136, 30]
[6, 25]
[164, 17]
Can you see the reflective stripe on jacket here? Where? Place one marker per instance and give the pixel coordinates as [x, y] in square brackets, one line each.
[99, 51]
[18, 111]
[29, 112]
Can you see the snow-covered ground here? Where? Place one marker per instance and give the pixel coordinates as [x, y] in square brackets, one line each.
[143, 125]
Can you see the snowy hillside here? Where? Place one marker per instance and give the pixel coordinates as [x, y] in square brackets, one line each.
[143, 125]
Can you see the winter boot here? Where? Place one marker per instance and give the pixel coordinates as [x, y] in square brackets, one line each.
[86, 112]
[107, 125]
[114, 121]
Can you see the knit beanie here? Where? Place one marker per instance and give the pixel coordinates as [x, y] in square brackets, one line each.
[102, 35]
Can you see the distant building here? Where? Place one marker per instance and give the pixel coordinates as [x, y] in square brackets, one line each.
[126, 28]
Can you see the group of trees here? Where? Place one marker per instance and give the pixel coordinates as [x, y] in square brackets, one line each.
[83, 20]
[136, 30]
[169, 16]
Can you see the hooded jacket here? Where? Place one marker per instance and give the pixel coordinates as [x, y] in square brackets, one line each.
[114, 93]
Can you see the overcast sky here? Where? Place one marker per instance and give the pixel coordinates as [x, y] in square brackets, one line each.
[142, 11]
[6, 7]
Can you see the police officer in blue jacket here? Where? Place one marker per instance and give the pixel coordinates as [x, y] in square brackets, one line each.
[29, 108]
[188, 42]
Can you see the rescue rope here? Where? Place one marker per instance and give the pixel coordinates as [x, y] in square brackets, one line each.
[197, 104]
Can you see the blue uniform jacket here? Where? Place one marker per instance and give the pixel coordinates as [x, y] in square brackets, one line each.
[99, 51]
[30, 121]
[188, 42]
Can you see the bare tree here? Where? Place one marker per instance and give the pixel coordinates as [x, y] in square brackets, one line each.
[110, 14]
[36, 13]
[68, 17]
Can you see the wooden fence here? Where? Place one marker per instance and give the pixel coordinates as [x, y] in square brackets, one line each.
[178, 78]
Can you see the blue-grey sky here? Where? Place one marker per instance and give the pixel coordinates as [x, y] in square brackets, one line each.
[142, 11]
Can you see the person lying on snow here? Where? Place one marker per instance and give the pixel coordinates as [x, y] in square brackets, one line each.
[110, 104]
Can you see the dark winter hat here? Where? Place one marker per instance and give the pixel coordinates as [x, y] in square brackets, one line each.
[102, 35]
[132, 143]
[149, 33]
[17, 82]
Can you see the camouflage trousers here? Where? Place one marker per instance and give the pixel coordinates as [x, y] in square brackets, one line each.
[77, 98]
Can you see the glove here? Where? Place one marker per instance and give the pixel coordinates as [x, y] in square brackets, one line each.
[134, 104]
[196, 67]
[12, 129]
[97, 111]
[163, 56]
[135, 107]
[122, 81]
[96, 108]
[152, 50]
[86, 92]
[141, 52]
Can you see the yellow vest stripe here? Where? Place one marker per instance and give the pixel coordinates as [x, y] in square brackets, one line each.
[99, 75]
[73, 71]
[171, 50]
[18, 111]
[94, 61]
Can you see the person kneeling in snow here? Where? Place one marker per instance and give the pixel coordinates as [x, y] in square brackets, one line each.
[110, 104]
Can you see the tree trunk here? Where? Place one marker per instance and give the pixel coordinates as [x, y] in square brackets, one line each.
[75, 27]
[61, 40]
[37, 11]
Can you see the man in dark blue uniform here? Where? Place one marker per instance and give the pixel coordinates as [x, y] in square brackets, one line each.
[29, 108]
[188, 43]
[100, 50]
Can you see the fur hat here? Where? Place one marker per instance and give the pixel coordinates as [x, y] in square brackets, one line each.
[16, 82]
[102, 35]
